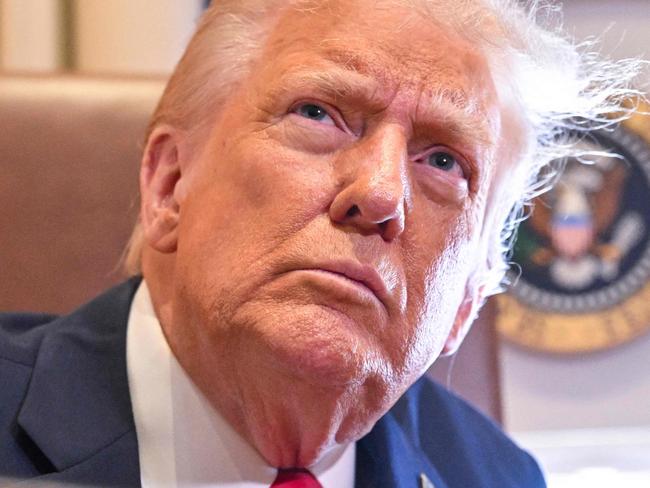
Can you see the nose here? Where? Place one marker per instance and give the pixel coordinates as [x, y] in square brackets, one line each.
[375, 185]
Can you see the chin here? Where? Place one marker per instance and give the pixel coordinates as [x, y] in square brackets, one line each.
[322, 346]
[312, 344]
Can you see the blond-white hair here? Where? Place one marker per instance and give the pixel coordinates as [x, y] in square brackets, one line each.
[560, 87]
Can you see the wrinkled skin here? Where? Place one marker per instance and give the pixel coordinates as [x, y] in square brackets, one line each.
[244, 233]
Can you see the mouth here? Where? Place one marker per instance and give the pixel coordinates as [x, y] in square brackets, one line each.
[362, 277]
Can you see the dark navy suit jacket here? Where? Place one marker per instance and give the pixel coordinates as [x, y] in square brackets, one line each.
[65, 414]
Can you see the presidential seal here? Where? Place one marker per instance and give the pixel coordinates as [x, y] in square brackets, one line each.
[585, 251]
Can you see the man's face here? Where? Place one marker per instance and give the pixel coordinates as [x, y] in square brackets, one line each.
[329, 232]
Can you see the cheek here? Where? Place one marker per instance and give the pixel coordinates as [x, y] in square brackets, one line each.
[273, 186]
[437, 283]
[250, 198]
[255, 187]
[445, 285]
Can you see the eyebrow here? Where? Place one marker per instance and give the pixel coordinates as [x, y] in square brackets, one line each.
[346, 75]
[334, 81]
[461, 117]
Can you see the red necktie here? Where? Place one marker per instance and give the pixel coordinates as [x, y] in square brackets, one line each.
[295, 478]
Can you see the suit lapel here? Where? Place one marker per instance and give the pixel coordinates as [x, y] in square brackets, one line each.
[77, 409]
[387, 457]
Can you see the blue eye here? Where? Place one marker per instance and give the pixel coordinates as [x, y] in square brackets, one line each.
[442, 160]
[314, 112]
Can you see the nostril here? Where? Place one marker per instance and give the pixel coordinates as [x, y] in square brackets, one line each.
[352, 211]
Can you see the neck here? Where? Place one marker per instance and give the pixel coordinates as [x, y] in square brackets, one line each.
[290, 421]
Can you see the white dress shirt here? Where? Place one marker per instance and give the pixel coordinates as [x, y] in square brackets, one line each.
[182, 440]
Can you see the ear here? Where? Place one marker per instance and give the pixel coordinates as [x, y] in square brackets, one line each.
[465, 316]
[160, 173]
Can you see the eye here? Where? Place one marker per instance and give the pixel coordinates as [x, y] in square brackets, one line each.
[314, 112]
[442, 160]
[445, 161]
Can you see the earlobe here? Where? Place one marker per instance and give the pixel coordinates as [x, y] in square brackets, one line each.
[465, 316]
[160, 174]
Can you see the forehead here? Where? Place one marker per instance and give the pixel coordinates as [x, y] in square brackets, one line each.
[396, 52]
[392, 43]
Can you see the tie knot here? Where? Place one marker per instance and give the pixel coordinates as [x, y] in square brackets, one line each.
[295, 478]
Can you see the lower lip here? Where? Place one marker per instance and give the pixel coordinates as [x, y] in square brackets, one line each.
[340, 280]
